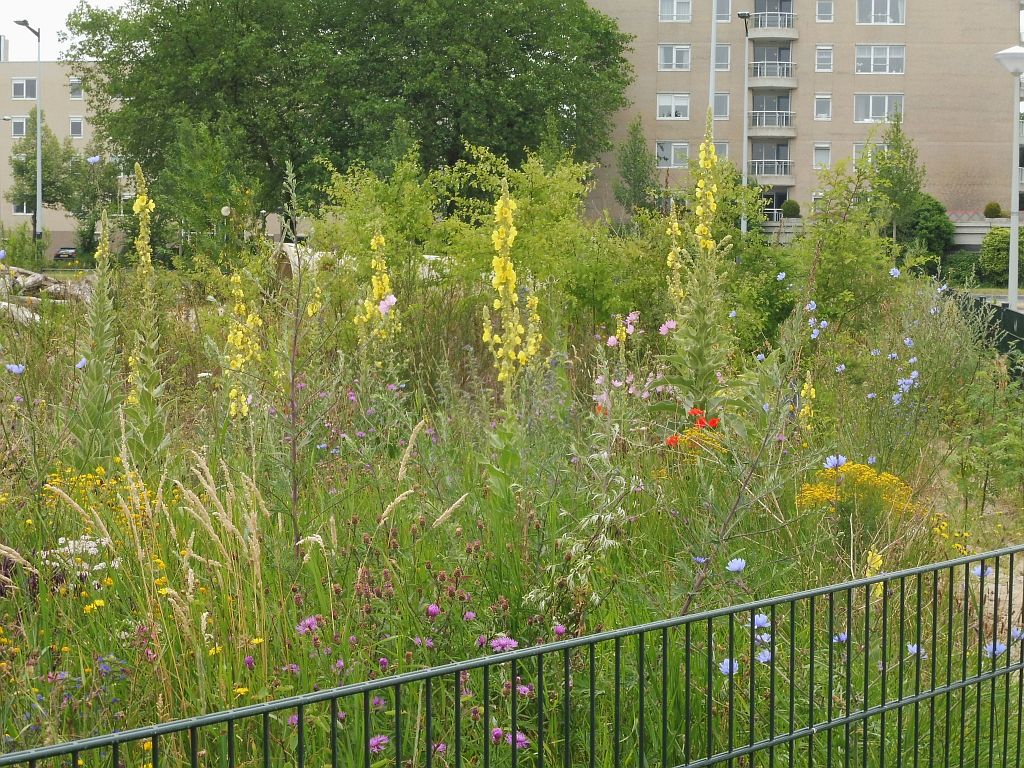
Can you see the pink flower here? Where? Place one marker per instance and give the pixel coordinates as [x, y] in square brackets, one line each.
[383, 662]
[612, 341]
[386, 304]
[293, 720]
[249, 662]
[559, 630]
[433, 610]
[521, 741]
[377, 743]
[504, 643]
[667, 327]
[468, 616]
[496, 735]
[308, 625]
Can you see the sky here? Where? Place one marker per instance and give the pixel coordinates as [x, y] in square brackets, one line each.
[48, 15]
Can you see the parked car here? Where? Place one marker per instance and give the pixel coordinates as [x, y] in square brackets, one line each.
[67, 253]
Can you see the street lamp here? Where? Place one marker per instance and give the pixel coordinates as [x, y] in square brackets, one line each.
[745, 15]
[1013, 60]
[39, 127]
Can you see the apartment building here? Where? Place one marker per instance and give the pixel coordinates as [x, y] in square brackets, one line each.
[64, 112]
[815, 81]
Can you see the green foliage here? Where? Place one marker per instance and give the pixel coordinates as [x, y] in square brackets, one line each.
[23, 250]
[790, 209]
[339, 75]
[93, 422]
[994, 259]
[994, 210]
[961, 266]
[930, 224]
[636, 184]
[898, 176]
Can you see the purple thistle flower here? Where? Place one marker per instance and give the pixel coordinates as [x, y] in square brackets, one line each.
[308, 625]
[559, 630]
[504, 643]
[521, 741]
[378, 743]
[249, 662]
[469, 616]
[496, 735]
[293, 720]
[384, 663]
[433, 611]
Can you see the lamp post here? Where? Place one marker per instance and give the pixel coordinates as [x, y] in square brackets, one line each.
[39, 127]
[1013, 60]
[714, 63]
[745, 15]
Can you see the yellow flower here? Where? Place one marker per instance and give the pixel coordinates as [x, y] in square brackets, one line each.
[241, 690]
[377, 242]
[214, 651]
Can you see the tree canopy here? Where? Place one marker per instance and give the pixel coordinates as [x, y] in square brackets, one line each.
[294, 80]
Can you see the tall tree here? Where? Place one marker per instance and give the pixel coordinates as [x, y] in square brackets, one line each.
[899, 176]
[300, 79]
[635, 187]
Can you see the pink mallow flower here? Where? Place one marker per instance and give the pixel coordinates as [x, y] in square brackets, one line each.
[386, 304]
[667, 327]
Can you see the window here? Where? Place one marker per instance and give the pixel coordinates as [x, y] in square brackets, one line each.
[881, 11]
[77, 129]
[19, 127]
[674, 10]
[722, 149]
[75, 88]
[721, 110]
[822, 156]
[673, 106]
[23, 88]
[674, 57]
[823, 106]
[672, 154]
[823, 58]
[723, 10]
[22, 209]
[823, 10]
[861, 147]
[723, 56]
[881, 59]
[876, 107]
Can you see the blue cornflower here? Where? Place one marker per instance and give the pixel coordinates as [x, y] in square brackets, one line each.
[736, 565]
[321, 446]
[897, 398]
[892, 355]
[814, 333]
[994, 648]
[763, 638]
[824, 324]
[840, 638]
[766, 407]
[894, 272]
[1016, 634]
[915, 650]
[876, 352]
[840, 368]
[810, 306]
[812, 321]
[733, 313]
[760, 357]
[835, 461]
[912, 360]
[781, 276]
[15, 369]
[764, 656]
[908, 342]
[933, 311]
[699, 560]
[872, 460]
[728, 666]
[981, 572]
[761, 621]
[81, 364]
[872, 395]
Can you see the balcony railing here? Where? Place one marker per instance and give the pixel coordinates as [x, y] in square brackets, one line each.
[1020, 175]
[772, 69]
[774, 20]
[771, 167]
[771, 119]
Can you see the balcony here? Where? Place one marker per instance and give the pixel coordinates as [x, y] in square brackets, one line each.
[771, 124]
[773, 25]
[777, 173]
[772, 74]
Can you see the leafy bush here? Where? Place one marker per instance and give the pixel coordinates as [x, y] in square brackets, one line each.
[930, 224]
[790, 209]
[994, 261]
[961, 266]
[994, 210]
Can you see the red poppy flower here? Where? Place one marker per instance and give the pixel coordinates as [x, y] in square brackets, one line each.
[695, 412]
[700, 422]
[599, 409]
[672, 441]
[713, 422]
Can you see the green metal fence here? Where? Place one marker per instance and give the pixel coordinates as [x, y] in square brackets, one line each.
[920, 667]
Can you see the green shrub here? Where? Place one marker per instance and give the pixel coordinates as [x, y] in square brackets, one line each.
[960, 266]
[930, 224]
[994, 210]
[993, 263]
[790, 209]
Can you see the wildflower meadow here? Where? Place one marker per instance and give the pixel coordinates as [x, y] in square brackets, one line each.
[469, 418]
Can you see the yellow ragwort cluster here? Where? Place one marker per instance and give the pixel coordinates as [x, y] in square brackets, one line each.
[512, 344]
[103, 490]
[807, 395]
[242, 347]
[857, 482]
[675, 256]
[957, 540]
[143, 209]
[706, 205]
[378, 317]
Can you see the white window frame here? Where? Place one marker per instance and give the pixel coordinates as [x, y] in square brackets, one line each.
[818, 51]
[728, 57]
[821, 145]
[672, 101]
[17, 120]
[23, 205]
[714, 105]
[871, 147]
[888, 108]
[71, 127]
[886, 57]
[874, 20]
[23, 82]
[822, 18]
[822, 97]
[722, 149]
[676, 15]
[675, 48]
[75, 84]
[720, 17]
[678, 153]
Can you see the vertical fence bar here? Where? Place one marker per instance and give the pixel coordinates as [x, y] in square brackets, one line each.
[751, 708]
[266, 739]
[231, 744]
[885, 670]
[566, 688]
[848, 666]
[515, 714]
[398, 726]
[74, 758]
[947, 736]
[302, 736]
[963, 663]
[428, 696]
[593, 706]
[810, 686]
[641, 673]
[334, 733]
[487, 712]
[771, 690]
[732, 670]
[193, 746]
[115, 755]
[867, 672]
[710, 684]
[540, 711]
[688, 730]
[903, 650]
[457, 692]
[934, 670]
[917, 671]
[1009, 660]
[995, 661]
[981, 645]
[366, 729]
[617, 696]
[831, 627]
[664, 697]
[791, 723]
